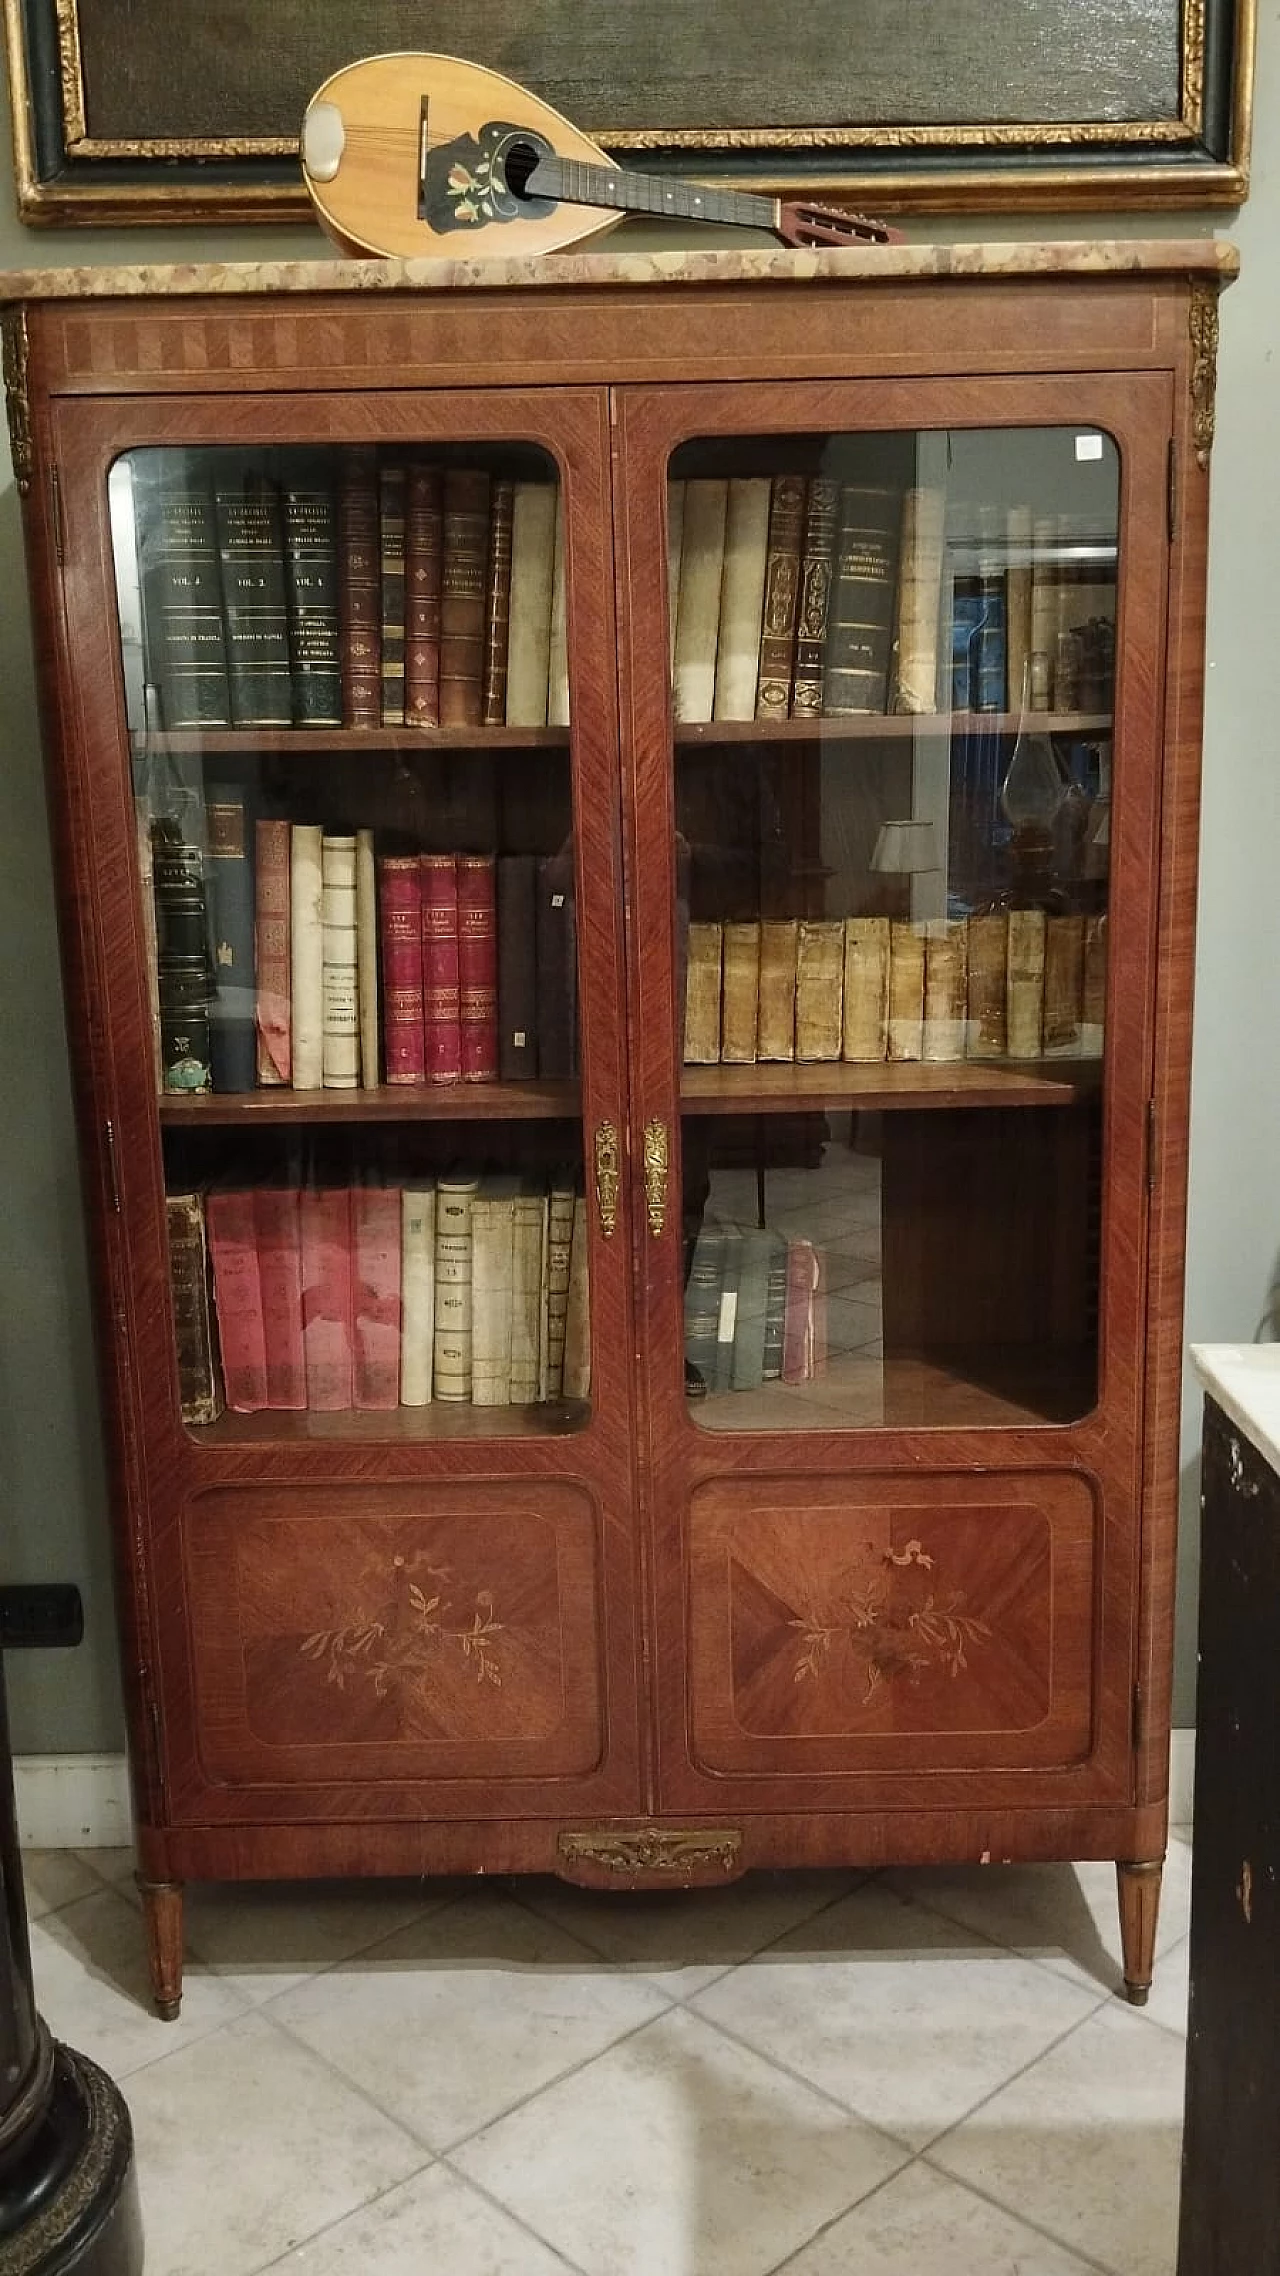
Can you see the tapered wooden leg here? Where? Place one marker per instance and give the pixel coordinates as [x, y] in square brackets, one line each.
[162, 1911]
[1139, 1887]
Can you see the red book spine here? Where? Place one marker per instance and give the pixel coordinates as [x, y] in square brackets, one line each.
[325, 1220]
[478, 967]
[360, 588]
[271, 954]
[237, 1294]
[376, 1295]
[442, 1013]
[423, 557]
[275, 1216]
[797, 1324]
[400, 927]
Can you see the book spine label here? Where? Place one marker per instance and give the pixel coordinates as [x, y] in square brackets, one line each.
[698, 602]
[199, 1391]
[324, 1215]
[815, 598]
[741, 1004]
[861, 619]
[533, 550]
[945, 989]
[866, 988]
[441, 969]
[517, 967]
[375, 1282]
[776, 1039]
[367, 994]
[273, 994]
[781, 596]
[462, 598]
[237, 1289]
[423, 562]
[276, 1223]
[478, 967]
[400, 920]
[819, 988]
[906, 991]
[306, 933]
[497, 603]
[746, 553]
[418, 1293]
[341, 1056]
[183, 630]
[360, 588]
[311, 577]
[455, 1204]
[232, 1032]
[391, 511]
[251, 549]
[702, 995]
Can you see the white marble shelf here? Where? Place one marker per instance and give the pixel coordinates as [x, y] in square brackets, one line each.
[1244, 1379]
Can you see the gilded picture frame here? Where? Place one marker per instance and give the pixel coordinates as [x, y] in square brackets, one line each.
[880, 103]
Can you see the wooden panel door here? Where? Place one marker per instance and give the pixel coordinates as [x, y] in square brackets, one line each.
[428, 1611]
[894, 1560]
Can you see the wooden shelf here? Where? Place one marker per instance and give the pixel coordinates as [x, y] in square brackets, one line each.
[881, 727]
[392, 1102]
[319, 742]
[779, 1089]
[978, 1389]
[444, 1421]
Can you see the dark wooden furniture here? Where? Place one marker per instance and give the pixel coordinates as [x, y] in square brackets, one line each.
[925, 1615]
[1230, 2181]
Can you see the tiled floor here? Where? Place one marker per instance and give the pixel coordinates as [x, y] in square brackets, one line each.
[924, 2072]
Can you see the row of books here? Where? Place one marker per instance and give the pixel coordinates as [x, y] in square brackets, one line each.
[754, 1310]
[289, 955]
[359, 587]
[1011, 983]
[797, 597]
[465, 1288]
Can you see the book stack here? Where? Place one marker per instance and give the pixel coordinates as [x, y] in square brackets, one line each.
[1008, 984]
[357, 587]
[469, 1288]
[754, 1310]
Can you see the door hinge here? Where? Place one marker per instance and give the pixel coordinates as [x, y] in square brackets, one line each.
[1139, 1715]
[1173, 489]
[1151, 1146]
[55, 515]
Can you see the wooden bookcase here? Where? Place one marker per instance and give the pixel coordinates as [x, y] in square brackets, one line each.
[916, 1606]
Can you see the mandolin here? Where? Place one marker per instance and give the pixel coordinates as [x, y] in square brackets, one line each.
[411, 154]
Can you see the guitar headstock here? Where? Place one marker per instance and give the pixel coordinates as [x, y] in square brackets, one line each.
[799, 224]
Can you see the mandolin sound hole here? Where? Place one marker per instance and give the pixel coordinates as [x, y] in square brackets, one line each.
[519, 160]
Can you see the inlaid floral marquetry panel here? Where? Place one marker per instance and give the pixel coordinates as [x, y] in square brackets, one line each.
[830, 1620]
[439, 1634]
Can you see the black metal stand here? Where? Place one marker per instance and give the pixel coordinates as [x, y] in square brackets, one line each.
[68, 2191]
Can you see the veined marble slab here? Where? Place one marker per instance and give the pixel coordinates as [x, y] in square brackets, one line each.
[1244, 1378]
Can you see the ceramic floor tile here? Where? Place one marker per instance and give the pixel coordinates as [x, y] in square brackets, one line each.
[465, 2012]
[264, 1937]
[678, 2154]
[435, 2222]
[114, 1865]
[922, 2224]
[1066, 1916]
[1089, 2138]
[246, 2144]
[53, 1878]
[683, 1939]
[92, 1988]
[1170, 1989]
[895, 2011]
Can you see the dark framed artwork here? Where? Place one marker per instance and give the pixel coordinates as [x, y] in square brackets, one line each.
[172, 110]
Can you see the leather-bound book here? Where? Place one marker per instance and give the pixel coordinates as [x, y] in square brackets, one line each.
[988, 965]
[1063, 984]
[1024, 1011]
[860, 623]
[400, 929]
[478, 967]
[341, 1046]
[375, 1286]
[455, 1201]
[698, 601]
[233, 1042]
[1093, 991]
[199, 1387]
[237, 1293]
[1019, 528]
[819, 988]
[776, 1034]
[183, 630]
[279, 1237]
[462, 596]
[781, 596]
[558, 670]
[727, 1311]
[492, 1233]
[528, 1271]
[324, 1219]
[360, 587]
[254, 599]
[906, 990]
[798, 1320]
[556, 959]
[272, 959]
[741, 994]
[423, 568]
[775, 1309]
[753, 1298]
[517, 967]
[746, 555]
[533, 560]
[441, 969]
[866, 988]
[367, 994]
[702, 1305]
[310, 518]
[392, 474]
[702, 995]
[945, 989]
[815, 598]
[559, 1258]
[306, 939]
[576, 1382]
[497, 602]
[184, 982]
[989, 652]
[919, 597]
[1045, 609]
[417, 1292]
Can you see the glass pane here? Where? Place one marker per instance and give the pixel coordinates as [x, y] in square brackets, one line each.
[892, 663]
[347, 693]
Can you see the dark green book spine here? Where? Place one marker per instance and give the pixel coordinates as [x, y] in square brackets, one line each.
[775, 1309]
[182, 958]
[517, 967]
[753, 1301]
[311, 578]
[233, 1039]
[251, 547]
[727, 1314]
[183, 633]
[860, 621]
[702, 1305]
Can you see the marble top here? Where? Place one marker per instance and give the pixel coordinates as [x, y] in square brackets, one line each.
[1244, 1378]
[897, 264]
